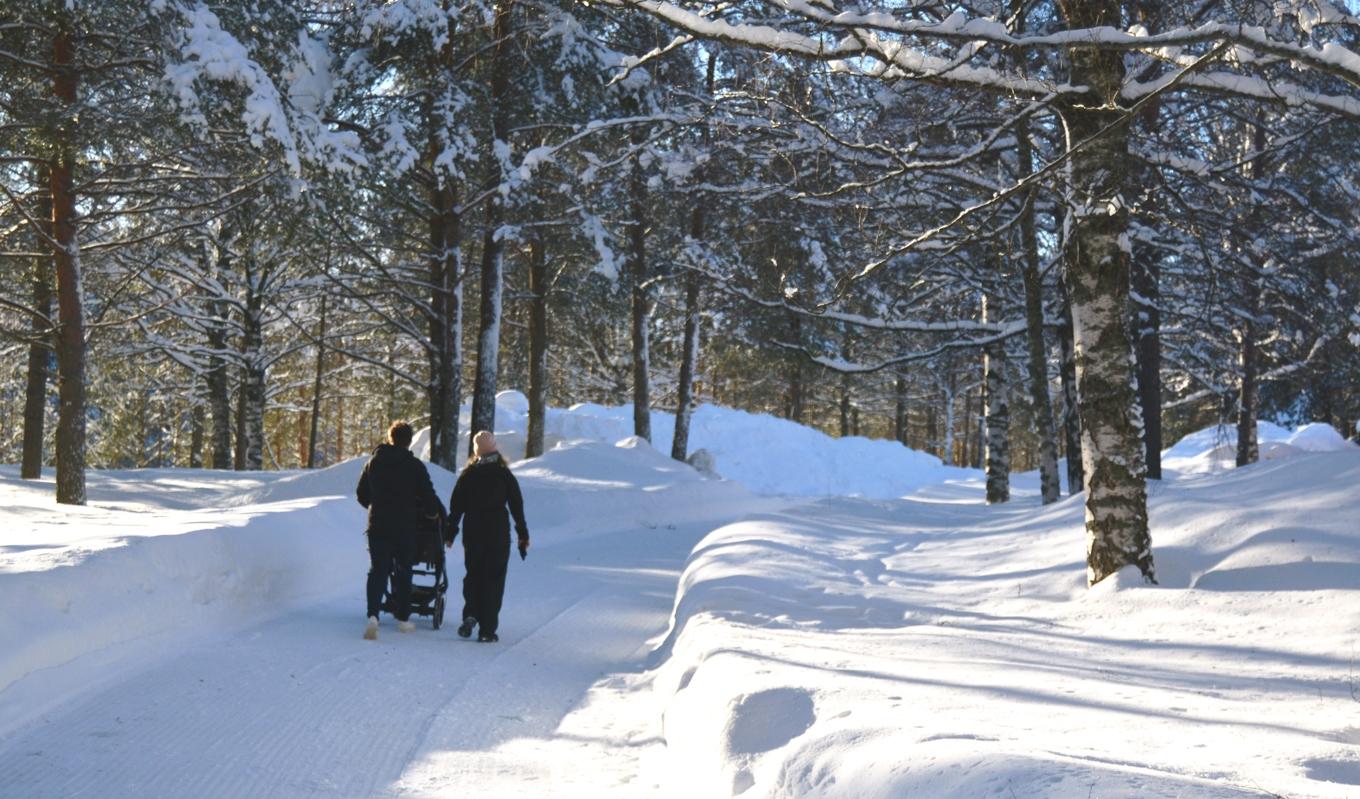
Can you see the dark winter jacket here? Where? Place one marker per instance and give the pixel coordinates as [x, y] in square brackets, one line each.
[480, 497]
[396, 489]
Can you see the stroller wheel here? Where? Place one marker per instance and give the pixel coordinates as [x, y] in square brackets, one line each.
[438, 611]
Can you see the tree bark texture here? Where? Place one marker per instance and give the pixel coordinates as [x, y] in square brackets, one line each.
[795, 398]
[446, 322]
[315, 424]
[997, 418]
[900, 410]
[641, 301]
[538, 347]
[1248, 397]
[1148, 324]
[1071, 419]
[39, 354]
[253, 380]
[1097, 260]
[1050, 485]
[493, 246]
[689, 354]
[70, 439]
[218, 382]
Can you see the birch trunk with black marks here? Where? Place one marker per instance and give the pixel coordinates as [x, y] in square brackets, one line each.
[538, 347]
[70, 338]
[1050, 485]
[1097, 260]
[39, 353]
[997, 417]
[493, 245]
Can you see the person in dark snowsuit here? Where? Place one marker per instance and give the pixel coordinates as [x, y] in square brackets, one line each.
[396, 489]
[484, 490]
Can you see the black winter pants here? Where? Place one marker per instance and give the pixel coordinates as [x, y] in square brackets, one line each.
[390, 555]
[486, 557]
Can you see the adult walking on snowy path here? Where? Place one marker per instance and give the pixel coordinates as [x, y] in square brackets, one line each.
[484, 490]
[396, 489]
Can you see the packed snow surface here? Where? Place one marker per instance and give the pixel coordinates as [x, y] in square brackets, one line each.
[197, 633]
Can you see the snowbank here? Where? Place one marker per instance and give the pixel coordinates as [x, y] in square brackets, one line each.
[165, 551]
[132, 567]
[766, 454]
[1214, 449]
[941, 649]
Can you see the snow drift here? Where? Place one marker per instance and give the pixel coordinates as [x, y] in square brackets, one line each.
[764, 453]
[950, 649]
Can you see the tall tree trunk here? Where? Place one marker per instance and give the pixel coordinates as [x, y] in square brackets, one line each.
[845, 405]
[253, 378]
[689, 363]
[1248, 399]
[39, 352]
[1050, 485]
[493, 245]
[641, 301]
[689, 355]
[796, 399]
[70, 440]
[900, 410]
[1248, 450]
[1148, 324]
[316, 387]
[997, 416]
[196, 414]
[538, 347]
[950, 457]
[1098, 275]
[1071, 419]
[242, 433]
[968, 419]
[446, 322]
[218, 383]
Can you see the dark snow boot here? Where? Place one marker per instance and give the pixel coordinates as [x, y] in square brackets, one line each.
[465, 629]
[488, 638]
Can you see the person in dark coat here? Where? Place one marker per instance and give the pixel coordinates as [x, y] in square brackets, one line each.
[396, 489]
[485, 489]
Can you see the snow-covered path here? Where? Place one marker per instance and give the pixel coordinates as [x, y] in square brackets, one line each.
[301, 706]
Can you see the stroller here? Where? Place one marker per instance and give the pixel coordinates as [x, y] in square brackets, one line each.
[426, 600]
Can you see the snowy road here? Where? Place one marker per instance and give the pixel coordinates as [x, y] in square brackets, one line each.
[301, 706]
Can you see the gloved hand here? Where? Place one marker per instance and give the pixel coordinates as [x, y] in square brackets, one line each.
[523, 546]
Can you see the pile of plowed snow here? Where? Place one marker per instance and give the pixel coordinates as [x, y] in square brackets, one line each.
[952, 649]
[766, 454]
[1214, 449]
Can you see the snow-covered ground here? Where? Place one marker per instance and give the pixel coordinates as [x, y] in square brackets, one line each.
[197, 633]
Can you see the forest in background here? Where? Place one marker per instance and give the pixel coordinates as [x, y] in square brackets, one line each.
[250, 234]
